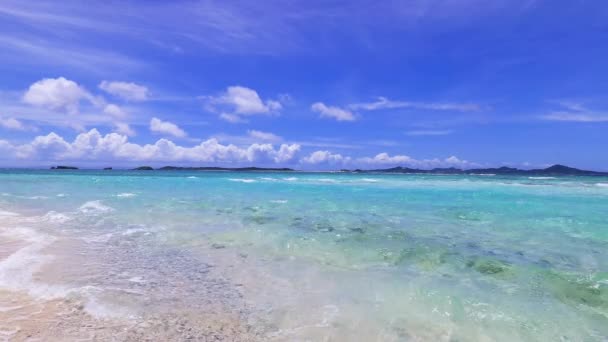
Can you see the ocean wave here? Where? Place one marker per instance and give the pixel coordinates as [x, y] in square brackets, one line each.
[290, 179]
[370, 180]
[18, 269]
[8, 214]
[278, 201]
[602, 185]
[132, 231]
[93, 207]
[540, 178]
[126, 195]
[192, 177]
[55, 217]
[242, 180]
[98, 239]
[327, 180]
[61, 195]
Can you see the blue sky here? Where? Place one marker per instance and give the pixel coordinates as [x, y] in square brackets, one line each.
[306, 84]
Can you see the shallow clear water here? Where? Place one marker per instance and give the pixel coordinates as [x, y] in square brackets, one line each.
[314, 256]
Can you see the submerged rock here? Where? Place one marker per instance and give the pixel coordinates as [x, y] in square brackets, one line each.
[259, 219]
[590, 291]
[490, 267]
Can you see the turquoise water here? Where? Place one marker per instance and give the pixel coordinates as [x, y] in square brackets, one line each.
[314, 256]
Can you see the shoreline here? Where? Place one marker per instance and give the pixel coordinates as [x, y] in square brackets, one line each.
[52, 300]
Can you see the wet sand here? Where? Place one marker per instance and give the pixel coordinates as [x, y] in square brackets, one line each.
[57, 288]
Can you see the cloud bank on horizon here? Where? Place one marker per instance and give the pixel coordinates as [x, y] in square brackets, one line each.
[310, 84]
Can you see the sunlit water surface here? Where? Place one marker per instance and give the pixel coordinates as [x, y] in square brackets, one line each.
[302, 256]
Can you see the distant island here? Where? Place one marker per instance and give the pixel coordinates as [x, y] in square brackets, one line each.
[555, 170]
[63, 167]
[212, 168]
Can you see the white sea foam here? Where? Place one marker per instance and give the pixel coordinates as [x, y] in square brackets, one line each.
[36, 197]
[132, 231]
[242, 180]
[327, 180]
[540, 178]
[98, 239]
[137, 279]
[55, 217]
[17, 270]
[602, 185]
[126, 195]
[103, 309]
[61, 195]
[192, 177]
[95, 207]
[290, 179]
[7, 214]
[279, 201]
[370, 180]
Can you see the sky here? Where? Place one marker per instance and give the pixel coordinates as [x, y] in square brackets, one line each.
[304, 84]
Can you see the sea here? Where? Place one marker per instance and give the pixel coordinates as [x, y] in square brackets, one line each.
[301, 256]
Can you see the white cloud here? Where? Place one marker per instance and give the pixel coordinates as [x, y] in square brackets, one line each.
[166, 127]
[238, 101]
[332, 112]
[385, 158]
[125, 90]
[428, 132]
[91, 146]
[115, 111]
[325, 157]
[125, 129]
[576, 117]
[266, 136]
[57, 94]
[232, 118]
[384, 103]
[11, 123]
[382, 160]
[575, 112]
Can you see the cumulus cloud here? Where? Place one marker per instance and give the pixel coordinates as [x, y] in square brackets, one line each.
[385, 103]
[232, 118]
[126, 90]
[92, 145]
[325, 157]
[332, 112]
[266, 136]
[57, 94]
[166, 127]
[238, 101]
[125, 129]
[115, 111]
[382, 160]
[12, 123]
